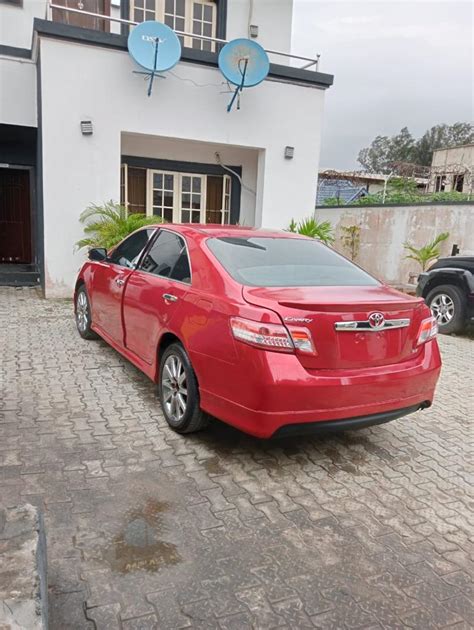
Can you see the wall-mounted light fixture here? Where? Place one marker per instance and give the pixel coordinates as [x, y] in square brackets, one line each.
[289, 153]
[253, 30]
[87, 128]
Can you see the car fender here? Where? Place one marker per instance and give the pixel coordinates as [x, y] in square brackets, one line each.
[452, 275]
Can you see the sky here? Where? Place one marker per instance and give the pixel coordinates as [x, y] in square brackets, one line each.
[396, 63]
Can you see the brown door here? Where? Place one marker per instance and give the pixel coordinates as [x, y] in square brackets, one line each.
[136, 190]
[86, 21]
[214, 199]
[15, 219]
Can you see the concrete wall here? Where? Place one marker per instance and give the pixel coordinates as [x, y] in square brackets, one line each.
[274, 20]
[17, 91]
[16, 22]
[452, 162]
[384, 229]
[189, 105]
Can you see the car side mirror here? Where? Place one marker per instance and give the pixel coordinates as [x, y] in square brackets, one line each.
[97, 253]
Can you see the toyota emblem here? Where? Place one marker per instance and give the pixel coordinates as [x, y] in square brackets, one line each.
[376, 320]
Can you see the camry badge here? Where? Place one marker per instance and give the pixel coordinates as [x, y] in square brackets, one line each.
[376, 320]
[299, 320]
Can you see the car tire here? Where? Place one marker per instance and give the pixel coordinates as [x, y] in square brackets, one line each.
[448, 306]
[179, 391]
[82, 310]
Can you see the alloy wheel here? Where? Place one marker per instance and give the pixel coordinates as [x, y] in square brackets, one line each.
[442, 308]
[174, 388]
[82, 312]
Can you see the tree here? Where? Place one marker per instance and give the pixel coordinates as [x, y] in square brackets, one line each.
[441, 136]
[402, 147]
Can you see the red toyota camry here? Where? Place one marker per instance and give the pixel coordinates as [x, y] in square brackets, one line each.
[269, 331]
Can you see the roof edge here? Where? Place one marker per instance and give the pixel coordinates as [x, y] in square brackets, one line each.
[91, 37]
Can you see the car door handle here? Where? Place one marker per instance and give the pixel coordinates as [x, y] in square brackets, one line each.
[169, 297]
[119, 281]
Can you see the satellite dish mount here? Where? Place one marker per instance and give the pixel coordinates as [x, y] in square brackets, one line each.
[151, 74]
[244, 63]
[240, 87]
[156, 48]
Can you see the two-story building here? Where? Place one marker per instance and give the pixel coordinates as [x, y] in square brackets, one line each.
[77, 126]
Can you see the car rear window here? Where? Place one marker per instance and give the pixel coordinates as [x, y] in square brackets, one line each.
[285, 262]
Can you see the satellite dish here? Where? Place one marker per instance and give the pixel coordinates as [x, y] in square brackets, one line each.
[243, 63]
[155, 47]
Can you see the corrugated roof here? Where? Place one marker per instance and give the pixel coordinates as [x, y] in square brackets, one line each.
[340, 189]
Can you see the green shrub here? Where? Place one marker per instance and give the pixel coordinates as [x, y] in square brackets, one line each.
[106, 225]
[323, 230]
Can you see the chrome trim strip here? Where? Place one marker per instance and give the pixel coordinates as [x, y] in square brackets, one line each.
[364, 326]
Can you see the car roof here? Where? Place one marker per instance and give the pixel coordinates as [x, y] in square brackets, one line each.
[220, 231]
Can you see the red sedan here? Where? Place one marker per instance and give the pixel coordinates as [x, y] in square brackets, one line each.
[269, 331]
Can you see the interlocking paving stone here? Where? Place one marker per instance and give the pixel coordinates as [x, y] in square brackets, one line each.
[149, 529]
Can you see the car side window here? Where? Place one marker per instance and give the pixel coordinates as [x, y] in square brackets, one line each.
[168, 257]
[128, 252]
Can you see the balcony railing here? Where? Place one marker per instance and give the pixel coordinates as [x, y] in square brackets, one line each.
[102, 21]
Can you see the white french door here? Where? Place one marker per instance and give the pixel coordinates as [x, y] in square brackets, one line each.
[162, 195]
[182, 197]
[192, 196]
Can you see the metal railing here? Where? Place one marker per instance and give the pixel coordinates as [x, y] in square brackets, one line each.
[51, 6]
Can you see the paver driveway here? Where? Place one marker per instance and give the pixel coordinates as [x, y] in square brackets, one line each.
[147, 529]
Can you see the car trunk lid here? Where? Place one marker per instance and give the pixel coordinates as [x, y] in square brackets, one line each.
[338, 319]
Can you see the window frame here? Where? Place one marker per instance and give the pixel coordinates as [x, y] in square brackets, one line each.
[198, 168]
[218, 24]
[178, 192]
[140, 256]
[150, 244]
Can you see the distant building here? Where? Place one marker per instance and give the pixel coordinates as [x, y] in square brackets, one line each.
[348, 186]
[451, 169]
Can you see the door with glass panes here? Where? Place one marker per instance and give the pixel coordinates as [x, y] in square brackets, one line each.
[189, 197]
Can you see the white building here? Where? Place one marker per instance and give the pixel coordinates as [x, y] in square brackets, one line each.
[60, 68]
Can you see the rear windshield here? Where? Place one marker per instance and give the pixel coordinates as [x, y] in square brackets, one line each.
[285, 262]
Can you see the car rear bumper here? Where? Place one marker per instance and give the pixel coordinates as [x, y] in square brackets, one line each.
[279, 392]
[347, 424]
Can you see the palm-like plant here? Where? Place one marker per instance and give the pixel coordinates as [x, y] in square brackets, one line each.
[106, 225]
[428, 252]
[322, 230]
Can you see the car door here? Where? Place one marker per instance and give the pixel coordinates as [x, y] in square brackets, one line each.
[108, 281]
[154, 292]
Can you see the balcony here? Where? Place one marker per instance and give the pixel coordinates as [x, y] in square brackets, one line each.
[199, 32]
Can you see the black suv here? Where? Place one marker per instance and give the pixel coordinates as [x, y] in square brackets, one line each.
[448, 289]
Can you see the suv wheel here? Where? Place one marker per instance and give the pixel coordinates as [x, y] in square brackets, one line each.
[179, 392]
[448, 307]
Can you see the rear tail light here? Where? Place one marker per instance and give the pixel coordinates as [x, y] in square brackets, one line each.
[272, 336]
[302, 340]
[269, 336]
[428, 330]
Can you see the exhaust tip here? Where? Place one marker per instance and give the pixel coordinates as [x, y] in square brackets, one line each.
[425, 404]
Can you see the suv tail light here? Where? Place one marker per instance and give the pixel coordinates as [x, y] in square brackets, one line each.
[272, 336]
[428, 330]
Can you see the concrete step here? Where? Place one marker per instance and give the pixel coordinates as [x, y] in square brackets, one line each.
[19, 276]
